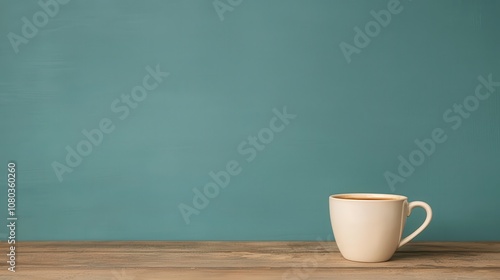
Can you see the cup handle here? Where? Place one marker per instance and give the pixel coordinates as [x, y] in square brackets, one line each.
[428, 219]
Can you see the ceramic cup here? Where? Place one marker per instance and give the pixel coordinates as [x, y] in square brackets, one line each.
[368, 227]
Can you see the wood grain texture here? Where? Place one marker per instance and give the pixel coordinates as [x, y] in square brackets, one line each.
[247, 260]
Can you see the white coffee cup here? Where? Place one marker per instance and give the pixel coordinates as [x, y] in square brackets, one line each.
[368, 227]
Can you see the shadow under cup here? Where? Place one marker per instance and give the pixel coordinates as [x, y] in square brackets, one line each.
[368, 227]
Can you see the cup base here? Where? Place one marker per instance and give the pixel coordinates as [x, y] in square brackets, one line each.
[366, 260]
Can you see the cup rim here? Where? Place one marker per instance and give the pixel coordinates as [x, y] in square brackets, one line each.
[391, 197]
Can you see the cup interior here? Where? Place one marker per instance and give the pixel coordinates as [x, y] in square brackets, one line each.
[368, 197]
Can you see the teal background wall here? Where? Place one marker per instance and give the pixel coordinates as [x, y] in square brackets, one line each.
[226, 76]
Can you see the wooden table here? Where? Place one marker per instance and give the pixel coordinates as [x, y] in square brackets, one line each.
[245, 260]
